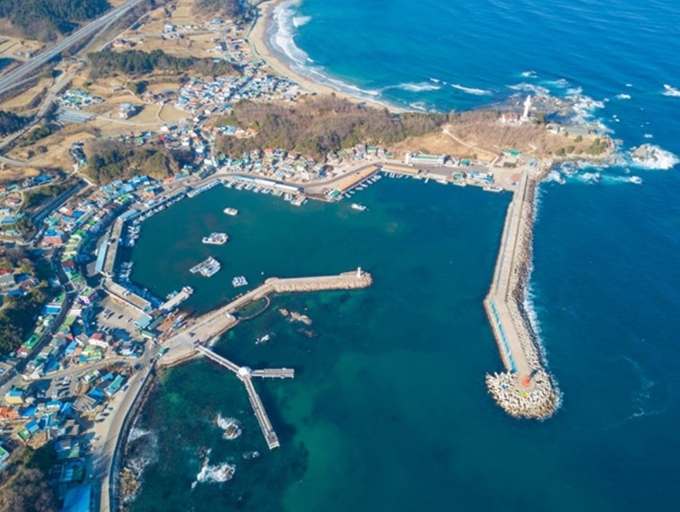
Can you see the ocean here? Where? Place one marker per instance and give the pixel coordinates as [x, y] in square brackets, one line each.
[388, 410]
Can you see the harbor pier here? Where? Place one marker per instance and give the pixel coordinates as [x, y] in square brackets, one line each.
[196, 337]
[245, 374]
[525, 389]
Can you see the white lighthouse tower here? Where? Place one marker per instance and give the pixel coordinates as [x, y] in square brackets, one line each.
[527, 106]
[359, 274]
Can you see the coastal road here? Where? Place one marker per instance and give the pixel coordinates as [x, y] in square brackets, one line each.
[12, 79]
[106, 434]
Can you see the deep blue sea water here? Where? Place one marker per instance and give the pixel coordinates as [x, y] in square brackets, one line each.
[606, 285]
[388, 410]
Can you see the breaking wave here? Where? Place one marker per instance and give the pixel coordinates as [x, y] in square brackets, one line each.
[529, 74]
[214, 474]
[649, 156]
[536, 89]
[671, 91]
[418, 87]
[231, 427]
[298, 21]
[471, 90]
[282, 40]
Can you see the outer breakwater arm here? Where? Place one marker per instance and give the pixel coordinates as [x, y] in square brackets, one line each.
[525, 389]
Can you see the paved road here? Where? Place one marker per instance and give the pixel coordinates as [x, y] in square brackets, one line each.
[12, 78]
[106, 434]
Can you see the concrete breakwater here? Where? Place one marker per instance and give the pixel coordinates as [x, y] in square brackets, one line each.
[211, 325]
[525, 389]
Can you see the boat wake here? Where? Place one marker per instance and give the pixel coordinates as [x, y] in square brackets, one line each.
[471, 90]
[623, 96]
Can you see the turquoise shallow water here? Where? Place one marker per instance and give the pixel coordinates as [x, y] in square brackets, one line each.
[388, 410]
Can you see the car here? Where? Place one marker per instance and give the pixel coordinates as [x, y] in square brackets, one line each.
[120, 316]
[126, 387]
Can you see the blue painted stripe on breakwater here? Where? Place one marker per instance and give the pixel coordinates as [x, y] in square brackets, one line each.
[513, 366]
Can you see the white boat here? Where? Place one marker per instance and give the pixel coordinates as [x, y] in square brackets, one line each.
[216, 239]
[493, 188]
[357, 206]
[231, 211]
[239, 281]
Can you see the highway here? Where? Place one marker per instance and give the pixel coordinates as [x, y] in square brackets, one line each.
[13, 78]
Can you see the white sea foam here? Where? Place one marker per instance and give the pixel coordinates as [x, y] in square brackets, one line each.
[623, 96]
[435, 80]
[560, 82]
[136, 433]
[649, 156]
[298, 21]
[536, 89]
[418, 105]
[141, 451]
[282, 41]
[649, 136]
[555, 176]
[231, 427]
[671, 91]
[284, 36]
[471, 90]
[529, 74]
[416, 87]
[215, 474]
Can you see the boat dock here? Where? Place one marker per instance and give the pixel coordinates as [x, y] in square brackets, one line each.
[177, 299]
[188, 341]
[245, 374]
[525, 389]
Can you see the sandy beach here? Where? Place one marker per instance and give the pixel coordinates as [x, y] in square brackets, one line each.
[260, 48]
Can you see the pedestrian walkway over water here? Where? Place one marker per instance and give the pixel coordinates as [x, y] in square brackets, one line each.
[245, 374]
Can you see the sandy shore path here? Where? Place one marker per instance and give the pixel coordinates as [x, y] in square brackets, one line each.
[257, 39]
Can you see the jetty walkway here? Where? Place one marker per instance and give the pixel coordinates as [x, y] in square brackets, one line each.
[205, 330]
[525, 389]
[245, 374]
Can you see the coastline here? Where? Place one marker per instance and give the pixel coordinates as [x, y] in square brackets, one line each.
[260, 48]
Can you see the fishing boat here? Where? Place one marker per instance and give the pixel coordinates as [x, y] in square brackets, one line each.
[231, 211]
[216, 239]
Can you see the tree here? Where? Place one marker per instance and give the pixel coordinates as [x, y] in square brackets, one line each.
[139, 87]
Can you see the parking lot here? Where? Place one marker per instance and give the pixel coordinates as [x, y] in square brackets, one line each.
[115, 318]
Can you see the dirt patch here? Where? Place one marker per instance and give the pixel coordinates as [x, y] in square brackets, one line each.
[12, 174]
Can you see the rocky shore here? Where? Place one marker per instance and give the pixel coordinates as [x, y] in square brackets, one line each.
[133, 453]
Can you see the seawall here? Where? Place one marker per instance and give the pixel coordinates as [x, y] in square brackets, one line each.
[525, 389]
